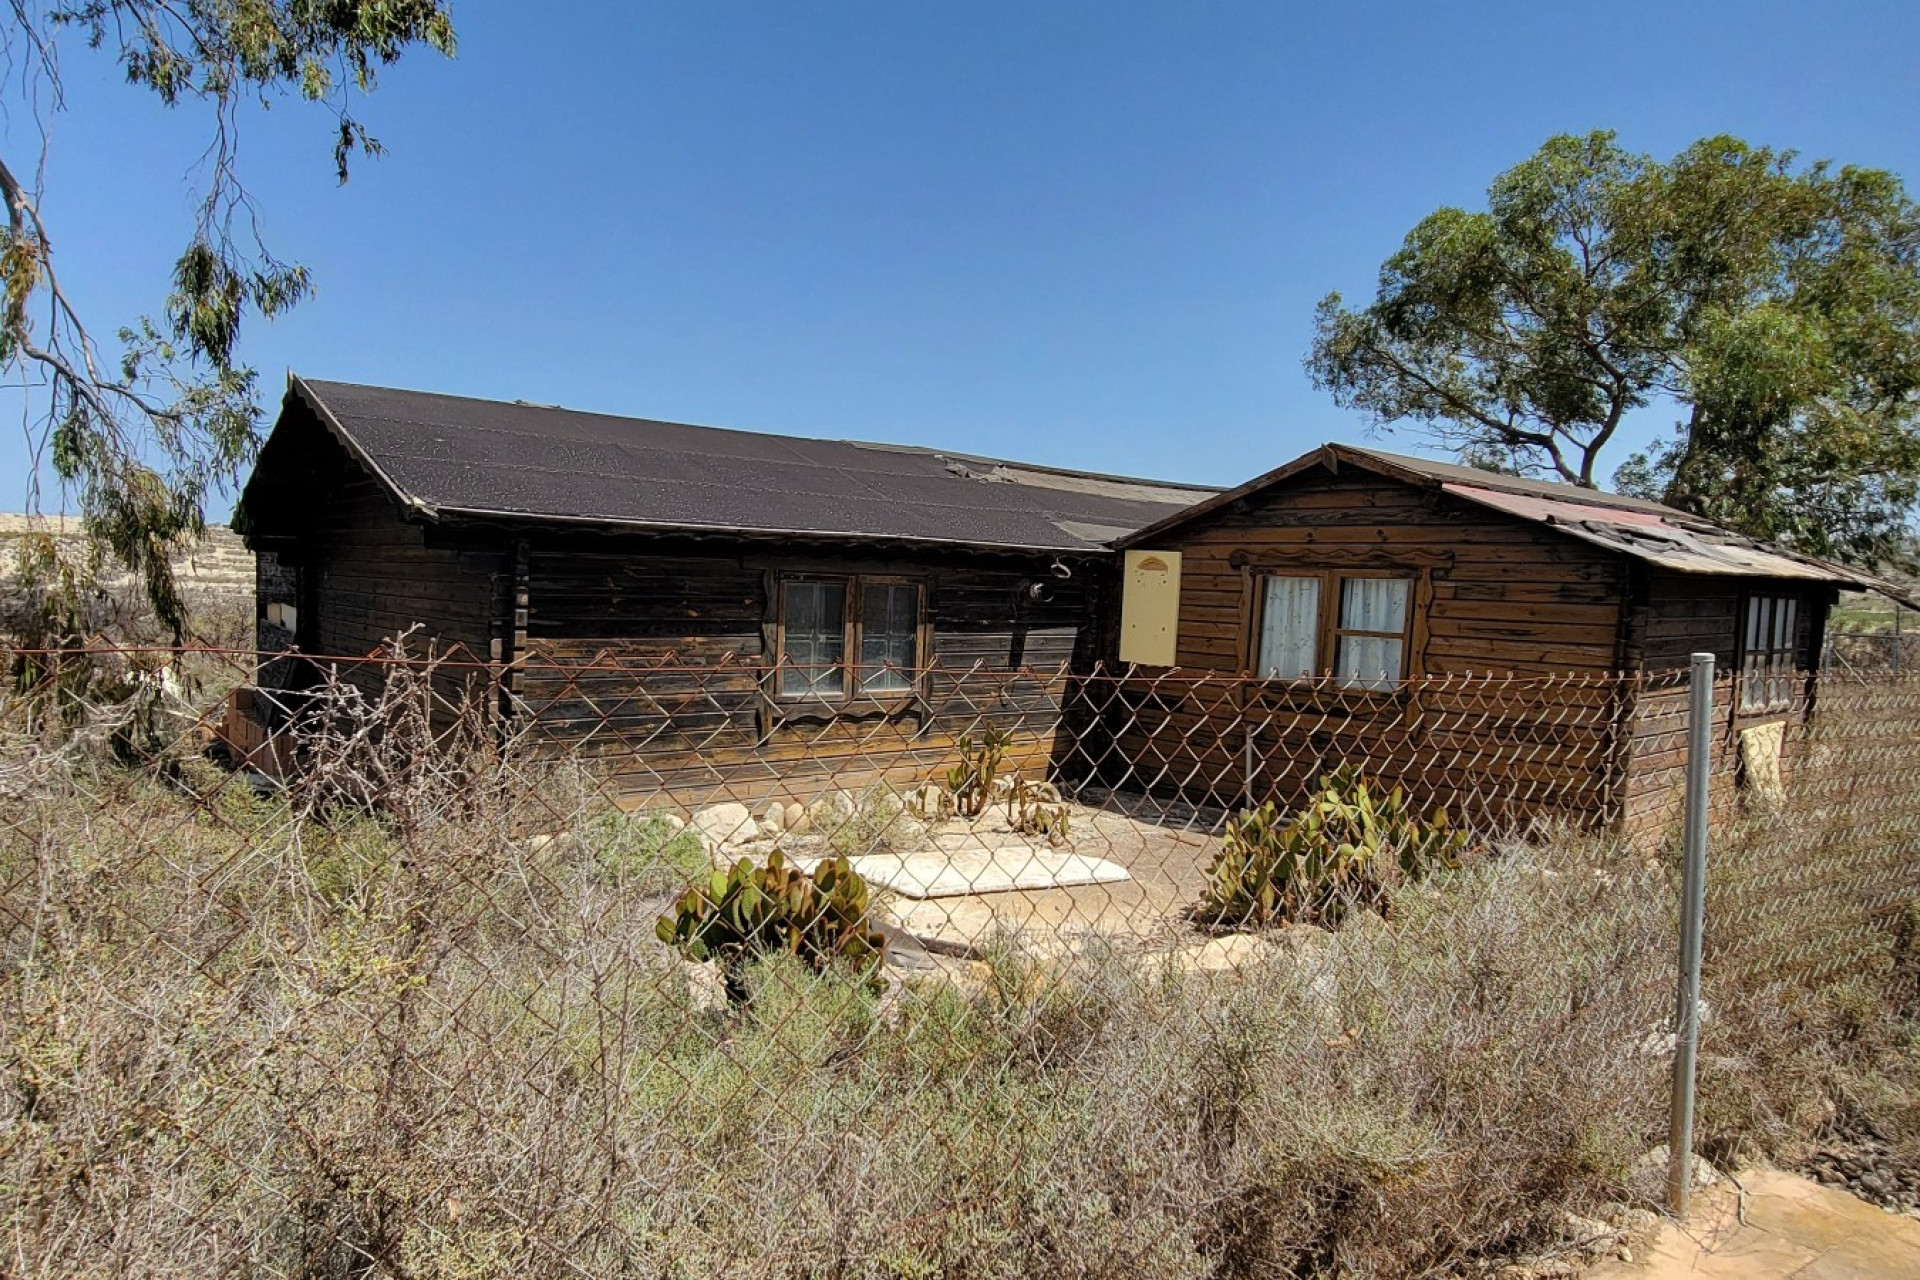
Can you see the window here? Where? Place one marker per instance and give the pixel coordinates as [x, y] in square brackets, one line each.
[1290, 628]
[823, 620]
[1768, 652]
[889, 636]
[1370, 636]
[1353, 624]
[813, 630]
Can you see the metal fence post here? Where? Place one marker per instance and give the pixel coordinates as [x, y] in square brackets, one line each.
[1693, 893]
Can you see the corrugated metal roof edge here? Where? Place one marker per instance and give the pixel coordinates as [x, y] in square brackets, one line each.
[1794, 564]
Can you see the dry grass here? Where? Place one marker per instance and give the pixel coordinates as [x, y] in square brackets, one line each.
[304, 1035]
[1812, 970]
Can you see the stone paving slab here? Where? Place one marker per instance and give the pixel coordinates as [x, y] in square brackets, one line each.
[953, 873]
[1794, 1229]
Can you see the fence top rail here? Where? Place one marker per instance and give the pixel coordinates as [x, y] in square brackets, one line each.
[609, 660]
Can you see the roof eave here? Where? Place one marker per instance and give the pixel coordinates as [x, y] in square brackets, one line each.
[1327, 455]
[1333, 456]
[448, 514]
[410, 503]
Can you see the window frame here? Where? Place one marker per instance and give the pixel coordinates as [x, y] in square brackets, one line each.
[1327, 629]
[853, 689]
[1778, 659]
[1335, 632]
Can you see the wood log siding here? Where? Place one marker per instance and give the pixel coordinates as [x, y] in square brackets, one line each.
[1492, 596]
[1501, 595]
[680, 702]
[1656, 775]
[365, 577]
[1679, 615]
[1676, 616]
[1495, 750]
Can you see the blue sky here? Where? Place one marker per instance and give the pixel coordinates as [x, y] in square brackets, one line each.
[1082, 234]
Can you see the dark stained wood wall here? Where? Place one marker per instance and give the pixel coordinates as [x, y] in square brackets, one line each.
[1673, 617]
[374, 577]
[361, 575]
[651, 658]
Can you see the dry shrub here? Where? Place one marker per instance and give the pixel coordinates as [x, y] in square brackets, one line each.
[276, 1034]
[355, 1030]
[1811, 969]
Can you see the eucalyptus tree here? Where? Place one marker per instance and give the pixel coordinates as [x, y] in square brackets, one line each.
[142, 418]
[1775, 303]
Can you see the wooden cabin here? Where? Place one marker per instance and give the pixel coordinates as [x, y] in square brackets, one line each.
[1456, 630]
[707, 612]
[722, 613]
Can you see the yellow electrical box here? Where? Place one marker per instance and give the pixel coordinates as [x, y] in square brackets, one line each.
[1150, 608]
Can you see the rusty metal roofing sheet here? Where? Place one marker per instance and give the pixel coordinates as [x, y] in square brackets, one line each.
[1671, 541]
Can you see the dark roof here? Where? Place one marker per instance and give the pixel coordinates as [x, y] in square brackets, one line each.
[448, 457]
[1647, 531]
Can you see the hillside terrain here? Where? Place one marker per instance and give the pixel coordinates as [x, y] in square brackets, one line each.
[216, 577]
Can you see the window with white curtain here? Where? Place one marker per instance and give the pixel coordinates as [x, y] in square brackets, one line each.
[889, 636]
[1370, 635]
[1289, 628]
[1350, 624]
[813, 630]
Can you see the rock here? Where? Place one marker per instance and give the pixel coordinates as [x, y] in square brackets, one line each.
[1584, 1230]
[1653, 1167]
[1223, 955]
[1363, 922]
[725, 824]
[706, 989]
[797, 820]
[773, 819]
[673, 820]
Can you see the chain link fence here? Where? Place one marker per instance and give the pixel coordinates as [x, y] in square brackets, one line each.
[424, 966]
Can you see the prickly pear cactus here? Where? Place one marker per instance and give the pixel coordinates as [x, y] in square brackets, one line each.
[1343, 850]
[748, 911]
[1038, 809]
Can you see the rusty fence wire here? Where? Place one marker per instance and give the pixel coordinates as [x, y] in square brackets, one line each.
[413, 964]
